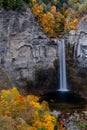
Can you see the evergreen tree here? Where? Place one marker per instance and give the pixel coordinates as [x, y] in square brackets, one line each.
[5, 4]
[19, 4]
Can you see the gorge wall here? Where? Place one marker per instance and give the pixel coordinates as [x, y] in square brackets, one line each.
[78, 38]
[23, 46]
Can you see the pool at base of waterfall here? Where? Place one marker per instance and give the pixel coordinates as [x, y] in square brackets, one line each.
[64, 101]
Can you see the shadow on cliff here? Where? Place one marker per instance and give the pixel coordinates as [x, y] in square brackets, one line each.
[77, 79]
[46, 80]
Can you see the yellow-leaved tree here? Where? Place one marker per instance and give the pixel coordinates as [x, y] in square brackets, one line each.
[24, 113]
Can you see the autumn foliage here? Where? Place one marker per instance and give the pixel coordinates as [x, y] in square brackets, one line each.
[52, 22]
[24, 113]
[55, 17]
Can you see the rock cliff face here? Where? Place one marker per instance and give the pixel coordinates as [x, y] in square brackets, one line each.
[23, 46]
[79, 39]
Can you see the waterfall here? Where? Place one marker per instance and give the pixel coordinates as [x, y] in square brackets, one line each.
[62, 63]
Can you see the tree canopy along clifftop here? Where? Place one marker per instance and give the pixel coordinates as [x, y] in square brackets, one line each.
[55, 17]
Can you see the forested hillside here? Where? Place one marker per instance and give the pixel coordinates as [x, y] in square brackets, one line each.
[56, 17]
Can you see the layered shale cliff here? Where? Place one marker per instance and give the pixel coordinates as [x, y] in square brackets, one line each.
[24, 47]
[78, 38]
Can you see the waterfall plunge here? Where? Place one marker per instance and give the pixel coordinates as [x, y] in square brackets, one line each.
[62, 62]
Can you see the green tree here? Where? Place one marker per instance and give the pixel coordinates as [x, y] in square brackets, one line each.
[5, 4]
[28, 1]
[19, 4]
[1, 3]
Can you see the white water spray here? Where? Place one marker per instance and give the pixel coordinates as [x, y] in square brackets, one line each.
[62, 63]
